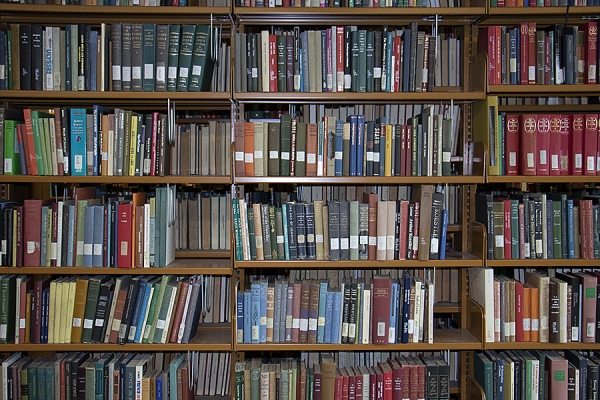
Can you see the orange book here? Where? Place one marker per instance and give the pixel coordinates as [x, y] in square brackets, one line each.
[249, 148]
[535, 314]
[312, 134]
[240, 167]
[526, 313]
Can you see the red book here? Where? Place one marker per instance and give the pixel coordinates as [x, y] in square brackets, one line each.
[528, 144]
[486, 42]
[543, 144]
[379, 382]
[249, 148]
[507, 230]
[403, 229]
[585, 228]
[413, 378]
[557, 367]
[511, 133]
[554, 144]
[337, 392]
[30, 155]
[36, 313]
[565, 143]
[25, 287]
[372, 383]
[518, 311]
[179, 308]
[387, 380]
[577, 144]
[590, 144]
[590, 30]
[318, 379]
[359, 383]
[397, 375]
[339, 58]
[124, 259]
[498, 57]
[371, 200]
[272, 63]
[405, 367]
[32, 220]
[351, 384]
[381, 308]
[312, 135]
[524, 36]
[420, 377]
[397, 49]
[531, 53]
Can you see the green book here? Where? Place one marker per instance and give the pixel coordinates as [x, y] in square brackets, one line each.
[37, 139]
[46, 145]
[483, 374]
[354, 63]
[148, 57]
[151, 312]
[255, 368]
[237, 223]
[556, 228]
[251, 233]
[274, 144]
[161, 294]
[7, 308]
[188, 32]
[12, 158]
[202, 61]
[90, 379]
[164, 311]
[32, 378]
[370, 61]
[240, 388]
[285, 136]
[301, 149]
[362, 60]
[100, 365]
[173, 56]
[354, 217]
[273, 232]
[91, 304]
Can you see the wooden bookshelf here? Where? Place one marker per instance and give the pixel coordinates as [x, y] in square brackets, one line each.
[549, 263]
[348, 98]
[120, 180]
[467, 261]
[544, 179]
[362, 180]
[541, 346]
[558, 108]
[543, 90]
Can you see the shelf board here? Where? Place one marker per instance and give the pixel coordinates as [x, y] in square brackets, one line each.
[205, 340]
[568, 108]
[177, 267]
[134, 180]
[554, 262]
[117, 11]
[361, 180]
[461, 260]
[446, 307]
[534, 11]
[345, 97]
[544, 179]
[541, 346]
[543, 90]
[204, 254]
[444, 339]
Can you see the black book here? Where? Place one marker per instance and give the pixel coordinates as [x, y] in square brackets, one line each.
[126, 57]
[78, 360]
[352, 313]
[301, 231]
[363, 231]
[369, 148]
[581, 363]
[87, 58]
[134, 285]
[67, 376]
[537, 219]
[104, 301]
[65, 234]
[25, 53]
[309, 222]
[397, 148]
[344, 230]
[409, 229]
[81, 368]
[370, 83]
[334, 230]
[37, 58]
[397, 230]
[115, 53]
[431, 377]
[149, 51]
[148, 127]
[437, 211]
[8, 235]
[346, 312]
[575, 305]
[347, 58]
[484, 214]
[593, 371]
[161, 57]
[291, 223]
[376, 149]
[273, 230]
[377, 62]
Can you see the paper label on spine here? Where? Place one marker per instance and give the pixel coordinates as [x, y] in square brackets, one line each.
[77, 322]
[512, 158]
[535, 324]
[381, 329]
[578, 161]
[300, 156]
[89, 324]
[344, 242]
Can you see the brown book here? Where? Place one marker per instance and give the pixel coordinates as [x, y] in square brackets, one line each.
[588, 307]
[391, 230]
[424, 195]
[557, 369]
[59, 142]
[32, 210]
[312, 135]
[328, 368]
[526, 313]
[541, 281]
[179, 308]
[313, 310]
[304, 309]
[240, 166]
[81, 289]
[380, 308]
[371, 200]
[270, 311]
[382, 223]
[249, 148]
[115, 324]
[273, 149]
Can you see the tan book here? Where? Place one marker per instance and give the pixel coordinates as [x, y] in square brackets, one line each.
[541, 282]
[329, 156]
[318, 205]
[312, 135]
[270, 311]
[70, 308]
[212, 148]
[260, 255]
[382, 223]
[424, 195]
[391, 230]
[205, 154]
[325, 232]
[79, 308]
[258, 149]
[264, 45]
[328, 368]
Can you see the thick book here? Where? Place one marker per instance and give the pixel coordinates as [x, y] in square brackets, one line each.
[381, 309]
[186, 46]
[202, 62]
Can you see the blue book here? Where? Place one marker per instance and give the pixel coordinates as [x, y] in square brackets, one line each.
[550, 227]
[88, 236]
[335, 317]
[283, 310]
[328, 316]
[78, 142]
[322, 308]
[442, 248]
[3, 80]
[388, 56]
[98, 236]
[338, 146]
[145, 305]
[45, 314]
[518, 42]
[99, 374]
[247, 316]
[44, 231]
[173, 374]
[360, 144]
[512, 39]
[137, 310]
[353, 119]
[262, 333]
[97, 112]
[255, 312]
[407, 282]
[49, 380]
[41, 380]
[159, 387]
[240, 317]
[393, 313]
[304, 76]
[570, 229]
[285, 231]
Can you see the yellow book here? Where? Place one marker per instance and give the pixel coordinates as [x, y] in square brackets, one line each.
[389, 134]
[72, 285]
[81, 290]
[146, 385]
[64, 298]
[133, 143]
[52, 311]
[485, 129]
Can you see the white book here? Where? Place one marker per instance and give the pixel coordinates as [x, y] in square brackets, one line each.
[366, 318]
[418, 312]
[48, 83]
[169, 319]
[216, 367]
[146, 235]
[5, 364]
[56, 58]
[481, 288]
[185, 312]
[146, 311]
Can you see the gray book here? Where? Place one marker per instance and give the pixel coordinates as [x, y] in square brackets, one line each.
[354, 229]
[161, 57]
[137, 39]
[126, 57]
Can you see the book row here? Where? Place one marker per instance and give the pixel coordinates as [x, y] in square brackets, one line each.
[423, 376]
[540, 225]
[110, 143]
[547, 144]
[104, 309]
[116, 375]
[552, 55]
[346, 58]
[348, 3]
[342, 230]
[201, 221]
[180, 3]
[537, 374]
[377, 311]
[540, 3]
[118, 57]
[555, 307]
[355, 147]
[131, 231]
